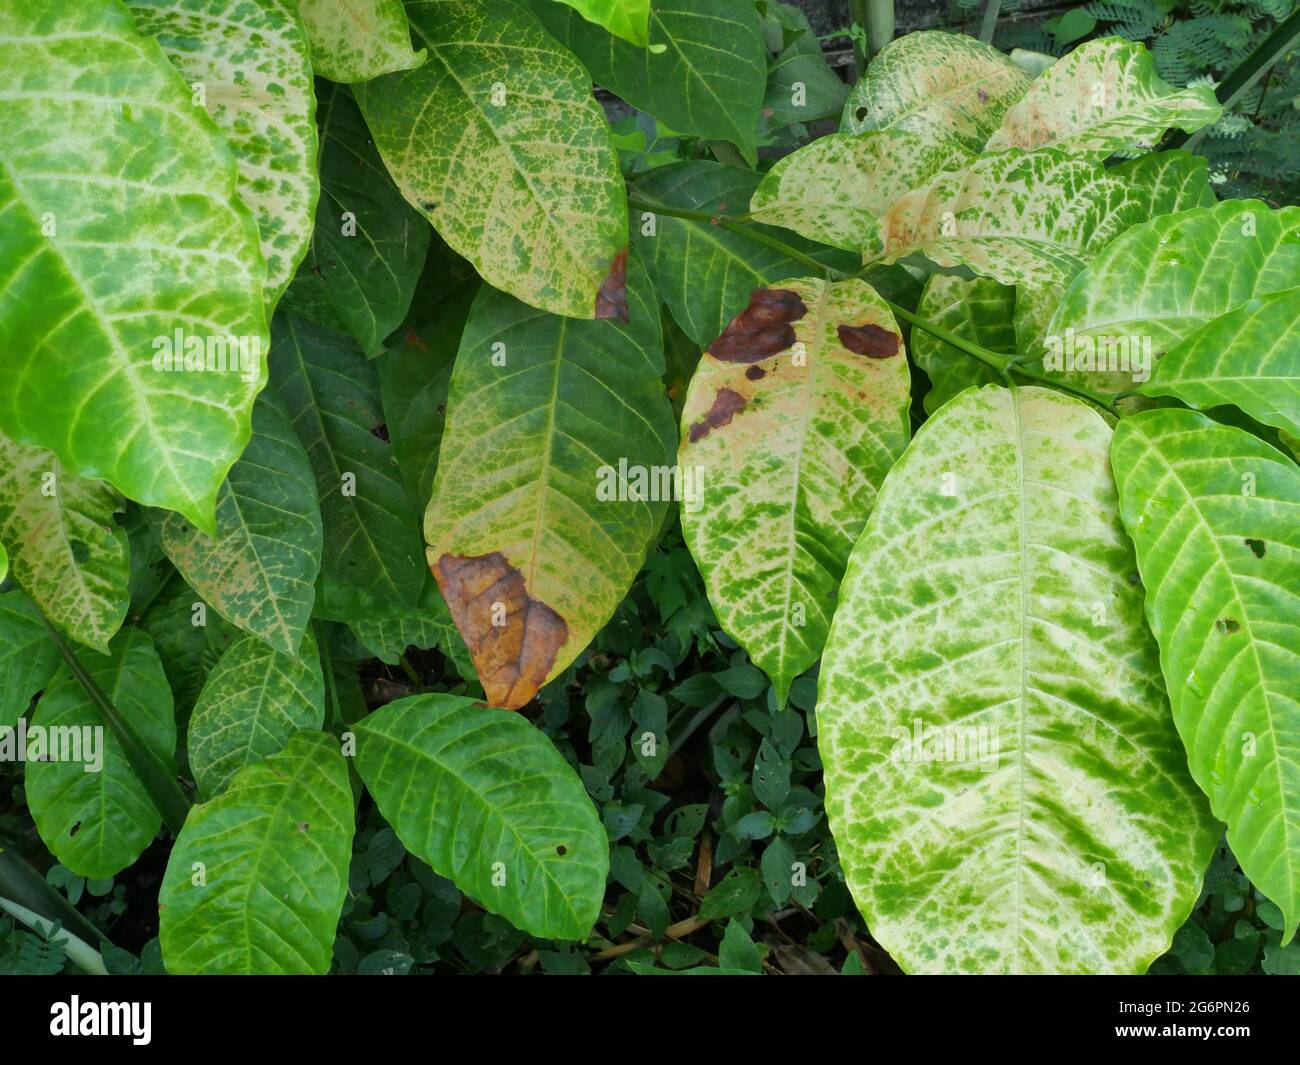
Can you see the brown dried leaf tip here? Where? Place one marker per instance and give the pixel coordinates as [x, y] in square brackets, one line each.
[869, 340]
[762, 329]
[611, 300]
[725, 404]
[512, 637]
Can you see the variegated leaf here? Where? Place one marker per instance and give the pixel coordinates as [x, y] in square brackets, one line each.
[975, 309]
[124, 249]
[1003, 779]
[1104, 96]
[498, 140]
[554, 475]
[1215, 514]
[247, 64]
[356, 40]
[65, 549]
[792, 419]
[945, 87]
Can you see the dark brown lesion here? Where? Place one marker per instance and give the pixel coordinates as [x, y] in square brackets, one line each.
[762, 329]
[611, 300]
[869, 340]
[513, 659]
[726, 404]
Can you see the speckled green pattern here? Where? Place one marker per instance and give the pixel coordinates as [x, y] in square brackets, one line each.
[835, 189]
[274, 853]
[99, 823]
[260, 569]
[1249, 358]
[254, 699]
[498, 140]
[249, 60]
[64, 546]
[946, 87]
[356, 40]
[975, 309]
[1003, 778]
[485, 798]
[1103, 96]
[1215, 515]
[530, 442]
[789, 482]
[119, 225]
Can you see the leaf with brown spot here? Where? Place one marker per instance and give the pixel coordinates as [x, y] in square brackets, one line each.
[512, 637]
[611, 300]
[869, 340]
[787, 488]
[762, 329]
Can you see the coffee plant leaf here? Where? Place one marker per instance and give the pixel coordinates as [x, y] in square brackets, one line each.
[1005, 786]
[704, 73]
[99, 289]
[66, 551]
[498, 140]
[357, 40]
[258, 875]
[801, 84]
[1215, 515]
[368, 244]
[190, 637]
[370, 561]
[98, 823]
[703, 272]
[835, 189]
[423, 626]
[628, 19]
[553, 477]
[948, 88]
[1246, 358]
[1103, 96]
[792, 420]
[254, 699]
[249, 67]
[975, 309]
[28, 658]
[259, 571]
[484, 798]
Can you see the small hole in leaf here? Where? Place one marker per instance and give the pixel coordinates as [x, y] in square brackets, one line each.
[74, 829]
[860, 114]
[561, 849]
[1257, 546]
[1228, 626]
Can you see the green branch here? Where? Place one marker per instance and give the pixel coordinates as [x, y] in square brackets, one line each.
[158, 781]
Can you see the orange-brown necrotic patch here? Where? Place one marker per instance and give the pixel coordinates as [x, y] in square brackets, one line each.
[762, 329]
[869, 340]
[725, 404]
[611, 300]
[512, 637]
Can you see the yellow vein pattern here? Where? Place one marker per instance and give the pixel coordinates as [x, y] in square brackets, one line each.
[1215, 515]
[356, 40]
[1004, 782]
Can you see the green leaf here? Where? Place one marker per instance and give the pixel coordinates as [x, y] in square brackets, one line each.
[738, 951]
[499, 142]
[554, 476]
[99, 273]
[27, 657]
[356, 40]
[978, 310]
[254, 699]
[629, 19]
[835, 189]
[487, 801]
[1215, 514]
[1005, 788]
[704, 273]
[1246, 357]
[423, 626]
[257, 879]
[369, 245]
[1104, 96]
[371, 556]
[251, 61]
[66, 551]
[946, 87]
[190, 638]
[801, 86]
[99, 821]
[789, 444]
[704, 73]
[260, 570]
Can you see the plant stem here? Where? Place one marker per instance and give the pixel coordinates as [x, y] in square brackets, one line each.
[989, 23]
[158, 781]
[78, 951]
[1003, 365]
[877, 18]
[24, 886]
